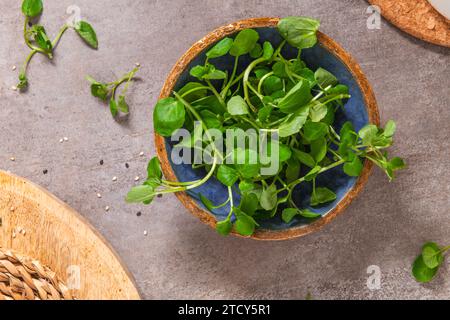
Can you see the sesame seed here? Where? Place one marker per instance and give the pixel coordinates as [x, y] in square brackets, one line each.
[14, 234]
[127, 165]
[99, 195]
[137, 178]
[14, 68]
[101, 162]
[160, 196]
[107, 208]
[12, 209]
[114, 179]
[24, 232]
[139, 214]
[14, 88]
[66, 139]
[61, 140]
[12, 159]
[145, 233]
[141, 154]
[45, 171]
[138, 64]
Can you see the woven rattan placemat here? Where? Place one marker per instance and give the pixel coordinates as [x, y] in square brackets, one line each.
[22, 278]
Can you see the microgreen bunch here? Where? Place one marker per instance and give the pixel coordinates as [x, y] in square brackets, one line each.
[427, 264]
[38, 41]
[273, 93]
[105, 91]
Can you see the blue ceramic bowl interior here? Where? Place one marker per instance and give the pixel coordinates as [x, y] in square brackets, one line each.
[355, 111]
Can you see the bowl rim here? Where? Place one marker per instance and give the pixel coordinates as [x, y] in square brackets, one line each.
[332, 47]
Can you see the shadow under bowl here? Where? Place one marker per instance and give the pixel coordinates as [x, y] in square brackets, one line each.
[360, 109]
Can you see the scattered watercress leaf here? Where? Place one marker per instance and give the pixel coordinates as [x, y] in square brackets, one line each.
[154, 169]
[431, 255]
[87, 33]
[32, 8]
[113, 107]
[421, 272]
[122, 105]
[140, 194]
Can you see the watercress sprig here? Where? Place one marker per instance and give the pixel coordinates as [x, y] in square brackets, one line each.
[272, 93]
[427, 264]
[37, 40]
[105, 91]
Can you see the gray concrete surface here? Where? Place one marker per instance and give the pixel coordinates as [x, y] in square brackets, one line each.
[181, 257]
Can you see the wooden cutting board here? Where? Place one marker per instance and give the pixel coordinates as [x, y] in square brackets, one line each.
[37, 224]
[418, 18]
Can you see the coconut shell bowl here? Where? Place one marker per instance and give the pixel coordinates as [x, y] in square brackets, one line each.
[360, 109]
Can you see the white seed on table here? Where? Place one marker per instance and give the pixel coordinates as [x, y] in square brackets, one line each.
[99, 195]
[114, 179]
[145, 233]
[14, 88]
[23, 231]
[14, 68]
[12, 159]
[141, 154]
[107, 208]
[137, 179]
[66, 139]
[137, 64]
[61, 140]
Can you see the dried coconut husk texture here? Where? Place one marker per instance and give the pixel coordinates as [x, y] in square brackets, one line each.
[418, 18]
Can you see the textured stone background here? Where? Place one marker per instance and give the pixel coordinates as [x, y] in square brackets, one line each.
[181, 257]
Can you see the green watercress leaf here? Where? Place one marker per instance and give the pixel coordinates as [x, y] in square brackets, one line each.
[421, 272]
[299, 32]
[154, 169]
[87, 33]
[168, 116]
[224, 227]
[220, 49]
[297, 97]
[431, 255]
[32, 8]
[325, 78]
[244, 42]
[353, 167]
[237, 106]
[314, 130]
[322, 196]
[227, 175]
[140, 194]
[122, 105]
[269, 198]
